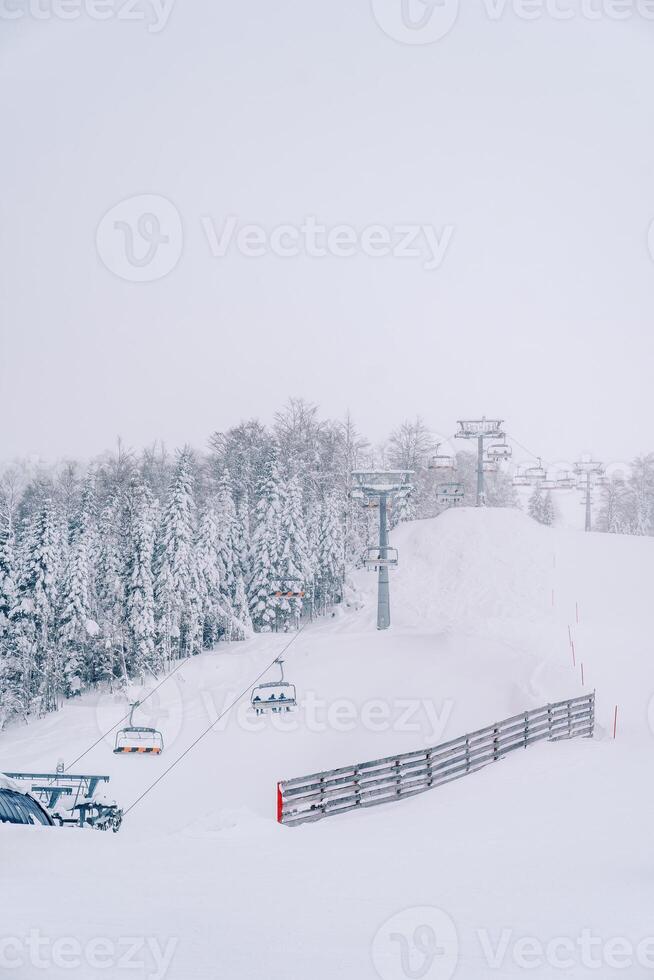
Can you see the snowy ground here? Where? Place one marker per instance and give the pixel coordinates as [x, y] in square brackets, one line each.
[540, 865]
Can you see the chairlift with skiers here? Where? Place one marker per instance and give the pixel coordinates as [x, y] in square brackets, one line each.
[274, 696]
[375, 558]
[450, 493]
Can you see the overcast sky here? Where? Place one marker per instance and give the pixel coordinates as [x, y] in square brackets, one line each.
[519, 155]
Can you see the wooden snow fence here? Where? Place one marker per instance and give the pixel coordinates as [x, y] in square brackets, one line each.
[325, 794]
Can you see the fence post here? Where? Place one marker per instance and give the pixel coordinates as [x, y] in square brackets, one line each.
[496, 733]
[569, 720]
[429, 768]
[467, 753]
[398, 777]
[549, 722]
[322, 795]
[357, 788]
[526, 728]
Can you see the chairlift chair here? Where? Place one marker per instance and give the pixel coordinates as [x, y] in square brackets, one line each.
[549, 485]
[565, 481]
[137, 738]
[500, 451]
[490, 465]
[536, 474]
[274, 696]
[374, 559]
[520, 479]
[442, 461]
[450, 493]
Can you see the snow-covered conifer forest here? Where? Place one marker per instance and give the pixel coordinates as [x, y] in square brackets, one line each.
[113, 568]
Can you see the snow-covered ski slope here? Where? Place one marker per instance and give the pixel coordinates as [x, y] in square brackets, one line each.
[544, 845]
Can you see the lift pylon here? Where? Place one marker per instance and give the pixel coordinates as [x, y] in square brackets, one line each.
[481, 429]
[382, 486]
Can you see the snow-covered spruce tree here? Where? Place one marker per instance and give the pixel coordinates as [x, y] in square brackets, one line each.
[74, 626]
[35, 636]
[295, 563]
[331, 557]
[178, 596]
[265, 558]
[109, 662]
[541, 506]
[141, 655]
[11, 682]
[78, 630]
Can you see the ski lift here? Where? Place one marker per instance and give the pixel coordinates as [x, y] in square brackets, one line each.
[371, 503]
[374, 559]
[136, 738]
[536, 474]
[274, 696]
[500, 451]
[442, 461]
[566, 481]
[520, 479]
[450, 493]
[490, 465]
[549, 485]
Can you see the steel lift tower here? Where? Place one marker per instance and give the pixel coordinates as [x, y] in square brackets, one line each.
[588, 470]
[378, 486]
[481, 429]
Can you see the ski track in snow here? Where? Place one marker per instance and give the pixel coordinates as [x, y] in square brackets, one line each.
[544, 844]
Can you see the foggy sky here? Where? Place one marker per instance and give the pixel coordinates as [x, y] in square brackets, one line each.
[532, 141]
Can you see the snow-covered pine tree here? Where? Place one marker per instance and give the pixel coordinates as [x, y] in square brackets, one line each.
[214, 614]
[295, 563]
[74, 619]
[140, 654]
[11, 686]
[78, 630]
[541, 506]
[113, 535]
[265, 558]
[36, 607]
[331, 558]
[177, 586]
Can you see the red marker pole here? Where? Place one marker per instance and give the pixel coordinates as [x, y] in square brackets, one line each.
[280, 803]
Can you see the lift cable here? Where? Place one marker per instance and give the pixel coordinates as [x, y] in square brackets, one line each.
[213, 724]
[125, 717]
